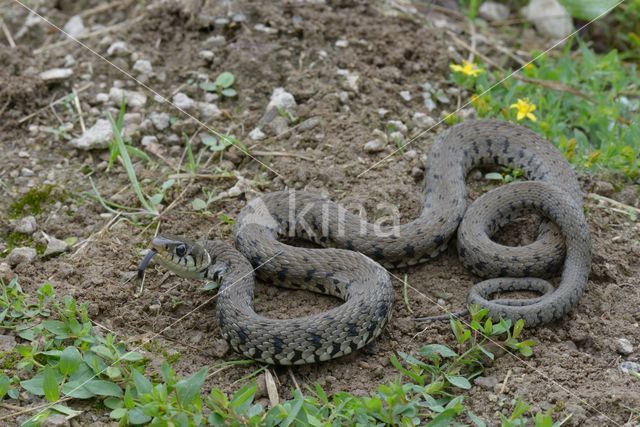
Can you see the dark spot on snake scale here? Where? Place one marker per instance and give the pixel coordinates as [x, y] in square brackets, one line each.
[349, 245]
[282, 274]
[321, 288]
[378, 253]
[310, 274]
[480, 265]
[315, 339]
[438, 240]
[277, 344]
[503, 272]
[242, 335]
[352, 329]
[408, 250]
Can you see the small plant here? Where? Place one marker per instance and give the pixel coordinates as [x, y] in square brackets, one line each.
[506, 176]
[222, 85]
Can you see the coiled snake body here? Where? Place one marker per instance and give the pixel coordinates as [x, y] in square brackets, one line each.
[348, 268]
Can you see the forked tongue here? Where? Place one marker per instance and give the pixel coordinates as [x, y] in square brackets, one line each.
[145, 263]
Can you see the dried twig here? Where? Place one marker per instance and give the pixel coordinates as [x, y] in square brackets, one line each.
[282, 154]
[79, 109]
[7, 34]
[625, 208]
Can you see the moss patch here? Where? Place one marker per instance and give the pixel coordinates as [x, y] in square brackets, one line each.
[34, 201]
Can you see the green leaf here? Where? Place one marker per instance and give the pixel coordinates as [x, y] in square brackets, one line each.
[143, 385]
[50, 384]
[187, 389]
[210, 285]
[70, 360]
[443, 419]
[588, 9]
[225, 79]
[65, 410]
[442, 350]
[136, 152]
[4, 385]
[113, 372]
[118, 413]
[229, 92]
[494, 176]
[104, 388]
[517, 328]
[132, 356]
[198, 204]
[156, 199]
[458, 381]
[113, 403]
[57, 327]
[476, 419]
[209, 86]
[136, 416]
[243, 398]
[167, 184]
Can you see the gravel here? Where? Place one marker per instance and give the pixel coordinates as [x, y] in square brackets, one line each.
[257, 135]
[134, 99]
[144, 67]
[74, 26]
[55, 246]
[549, 17]
[624, 346]
[374, 146]
[422, 120]
[492, 11]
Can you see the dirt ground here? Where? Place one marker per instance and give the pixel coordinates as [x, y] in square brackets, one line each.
[300, 46]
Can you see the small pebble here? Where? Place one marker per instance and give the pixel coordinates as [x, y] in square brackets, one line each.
[264, 29]
[624, 346]
[57, 420]
[207, 55]
[183, 101]
[26, 172]
[374, 146]
[342, 43]
[148, 140]
[74, 26]
[208, 111]
[160, 121]
[118, 48]
[628, 367]
[134, 99]
[423, 121]
[398, 126]
[417, 173]
[406, 95]
[56, 74]
[257, 135]
[97, 136]
[22, 255]
[55, 246]
[6, 274]
[143, 66]
[27, 225]
[220, 348]
[492, 11]
[23, 154]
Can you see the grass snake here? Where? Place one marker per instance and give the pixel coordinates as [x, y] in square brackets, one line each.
[350, 266]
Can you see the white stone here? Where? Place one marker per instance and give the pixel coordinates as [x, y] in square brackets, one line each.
[183, 101]
[374, 146]
[26, 225]
[492, 11]
[133, 99]
[160, 121]
[69, 61]
[264, 29]
[143, 66]
[148, 140]
[550, 18]
[97, 136]
[406, 95]
[118, 48]
[398, 126]
[208, 111]
[351, 80]
[74, 26]
[257, 135]
[101, 98]
[55, 246]
[21, 255]
[56, 74]
[422, 120]
[27, 172]
[624, 346]
[281, 99]
[342, 43]
[207, 55]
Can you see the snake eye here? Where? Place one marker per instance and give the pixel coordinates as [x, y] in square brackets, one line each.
[181, 250]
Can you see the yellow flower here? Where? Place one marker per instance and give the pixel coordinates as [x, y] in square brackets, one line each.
[525, 109]
[467, 68]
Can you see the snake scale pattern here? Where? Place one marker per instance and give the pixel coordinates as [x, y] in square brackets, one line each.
[350, 266]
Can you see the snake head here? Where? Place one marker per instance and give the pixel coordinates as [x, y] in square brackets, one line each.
[184, 257]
